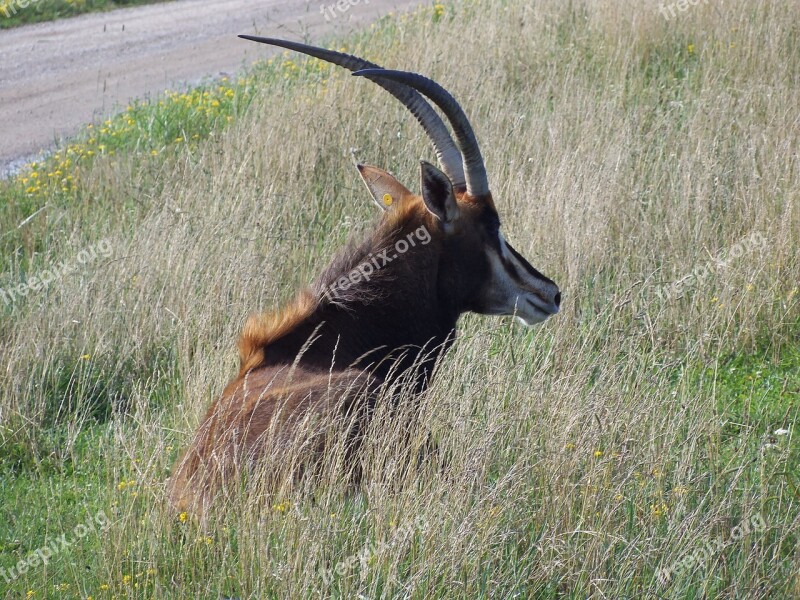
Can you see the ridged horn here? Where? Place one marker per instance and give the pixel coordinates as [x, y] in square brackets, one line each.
[446, 150]
[476, 180]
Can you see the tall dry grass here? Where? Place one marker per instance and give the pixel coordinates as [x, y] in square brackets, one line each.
[576, 460]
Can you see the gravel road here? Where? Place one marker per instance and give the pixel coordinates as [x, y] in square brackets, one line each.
[57, 76]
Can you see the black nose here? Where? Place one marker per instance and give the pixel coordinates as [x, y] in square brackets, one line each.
[557, 299]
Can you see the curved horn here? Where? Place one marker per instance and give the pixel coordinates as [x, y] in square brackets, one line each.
[446, 150]
[476, 180]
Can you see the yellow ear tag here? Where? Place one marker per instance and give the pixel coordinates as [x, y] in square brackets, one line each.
[387, 199]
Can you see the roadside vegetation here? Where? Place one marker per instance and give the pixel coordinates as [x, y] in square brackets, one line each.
[641, 444]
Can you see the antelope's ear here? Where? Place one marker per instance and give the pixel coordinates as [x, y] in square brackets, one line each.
[383, 187]
[437, 193]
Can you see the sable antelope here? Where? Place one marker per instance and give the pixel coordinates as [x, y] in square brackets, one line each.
[431, 258]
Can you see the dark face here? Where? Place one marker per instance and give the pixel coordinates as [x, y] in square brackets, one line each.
[503, 282]
[479, 271]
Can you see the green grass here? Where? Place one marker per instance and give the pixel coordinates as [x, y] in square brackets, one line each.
[12, 14]
[575, 460]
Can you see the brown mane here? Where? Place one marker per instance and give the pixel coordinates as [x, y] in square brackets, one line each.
[261, 330]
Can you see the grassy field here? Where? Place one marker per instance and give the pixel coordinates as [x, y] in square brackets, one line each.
[641, 444]
[14, 14]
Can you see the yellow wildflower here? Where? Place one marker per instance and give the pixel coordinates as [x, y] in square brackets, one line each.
[659, 509]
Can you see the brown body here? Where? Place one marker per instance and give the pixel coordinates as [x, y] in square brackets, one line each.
[311, 373]
[305, 367]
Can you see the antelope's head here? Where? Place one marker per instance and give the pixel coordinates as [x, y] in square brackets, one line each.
[478, 269]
